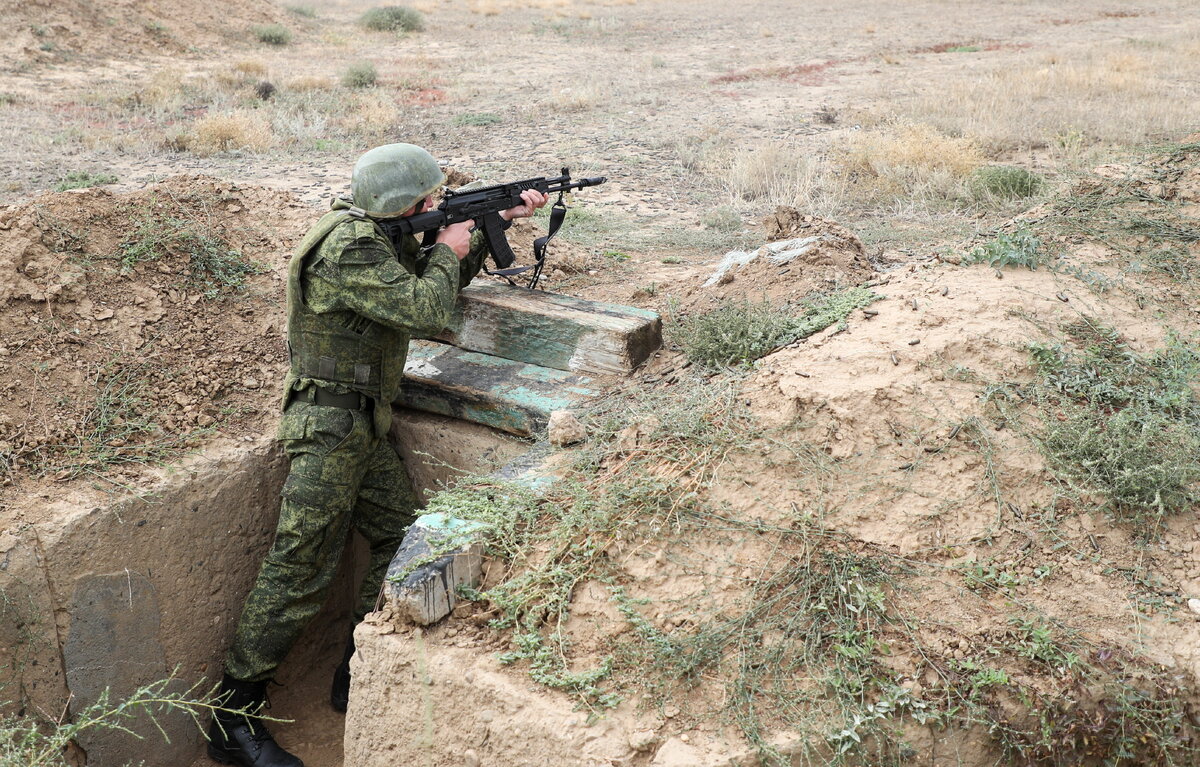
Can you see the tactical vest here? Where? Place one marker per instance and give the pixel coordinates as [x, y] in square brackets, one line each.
[367, 358]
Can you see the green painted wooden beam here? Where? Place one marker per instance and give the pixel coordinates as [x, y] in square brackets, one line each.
[552, 330]
[511, 396]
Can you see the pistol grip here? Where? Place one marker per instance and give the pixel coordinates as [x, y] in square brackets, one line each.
[493, 234]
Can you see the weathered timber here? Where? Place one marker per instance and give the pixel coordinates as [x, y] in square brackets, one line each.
[439, 554]
[551, 330]
[511, 396]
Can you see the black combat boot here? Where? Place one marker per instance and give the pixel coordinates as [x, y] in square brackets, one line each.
[339, 693]
[243, 739]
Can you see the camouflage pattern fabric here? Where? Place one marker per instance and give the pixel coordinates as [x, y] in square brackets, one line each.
[353, 303]
[353, 299]
[342, 476]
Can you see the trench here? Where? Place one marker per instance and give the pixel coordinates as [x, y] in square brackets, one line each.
[114, 597]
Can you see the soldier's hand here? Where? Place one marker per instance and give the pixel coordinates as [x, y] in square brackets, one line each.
[533, 200]
[458, 237]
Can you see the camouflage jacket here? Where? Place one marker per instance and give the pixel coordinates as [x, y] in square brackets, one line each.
[354, 302]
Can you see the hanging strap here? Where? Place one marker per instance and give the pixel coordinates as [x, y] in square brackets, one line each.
[558, 214]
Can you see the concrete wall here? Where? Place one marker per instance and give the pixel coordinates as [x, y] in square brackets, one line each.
[120, 595]
[114, 597]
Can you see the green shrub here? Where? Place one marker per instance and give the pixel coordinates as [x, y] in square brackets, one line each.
[272, 34]
[1143, 462]
[305, 11]
[360, 74]
[722, 219]
[82, 179]
[1119, 424]
[392, 18]
[1020, 248]
[477, 118]
[1005, 182]
[740, 332]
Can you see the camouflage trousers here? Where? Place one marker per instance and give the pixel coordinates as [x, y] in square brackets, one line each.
[341, 476]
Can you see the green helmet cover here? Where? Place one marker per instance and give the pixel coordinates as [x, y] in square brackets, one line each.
[390, 179]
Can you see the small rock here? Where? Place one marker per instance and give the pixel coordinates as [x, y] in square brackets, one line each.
[104, 314]
[1194, 605]
[250, 383]
[671, 711]
[565, 429]
[676, 753]
[470, 758]
[642, 741]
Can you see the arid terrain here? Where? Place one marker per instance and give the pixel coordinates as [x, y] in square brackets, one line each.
[952, 521]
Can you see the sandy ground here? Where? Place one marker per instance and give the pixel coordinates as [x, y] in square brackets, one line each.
[633, 91]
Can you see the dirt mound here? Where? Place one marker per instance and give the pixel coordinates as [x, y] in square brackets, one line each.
[137, 326]
[803, 254]
[53, 30]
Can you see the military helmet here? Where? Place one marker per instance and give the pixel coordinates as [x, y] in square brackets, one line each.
[390, 179]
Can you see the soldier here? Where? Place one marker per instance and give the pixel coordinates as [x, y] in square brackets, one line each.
[353, 302]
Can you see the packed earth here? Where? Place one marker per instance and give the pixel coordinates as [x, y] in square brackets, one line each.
[912, 480]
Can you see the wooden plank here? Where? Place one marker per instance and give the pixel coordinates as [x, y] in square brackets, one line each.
[552, 330]
[438, 554]
[511, 396]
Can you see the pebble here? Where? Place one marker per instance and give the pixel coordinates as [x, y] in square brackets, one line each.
[643, 740]
[250, 383]
[565, 429]
[1194, 605]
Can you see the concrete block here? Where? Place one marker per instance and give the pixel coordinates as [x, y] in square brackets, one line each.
[113, 648]
[31, 671]
[439, 554]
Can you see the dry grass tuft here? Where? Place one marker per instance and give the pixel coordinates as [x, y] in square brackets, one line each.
[778, 174]
[228, 132]
[913, 161]
[309, 83]
[164, 90]
[251, 68]
[370, 114]
[1122, 94]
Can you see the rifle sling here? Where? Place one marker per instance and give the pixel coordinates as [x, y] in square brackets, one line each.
[558, 214]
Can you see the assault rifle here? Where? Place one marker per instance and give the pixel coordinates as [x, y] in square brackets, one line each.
[483, 205]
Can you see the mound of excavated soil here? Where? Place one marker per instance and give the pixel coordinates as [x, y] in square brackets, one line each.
[49, 30]
[134, 326]
[803, 254]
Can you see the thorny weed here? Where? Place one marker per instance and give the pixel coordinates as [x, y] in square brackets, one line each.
[1119, 423]
[26, 741]
[117, 428]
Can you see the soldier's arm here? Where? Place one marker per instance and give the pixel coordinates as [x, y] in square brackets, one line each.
[366, 279]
